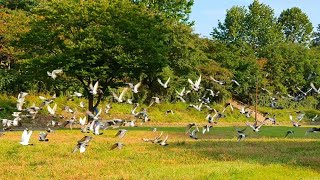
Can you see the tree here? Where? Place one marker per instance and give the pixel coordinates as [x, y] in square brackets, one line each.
[18, 4]
[103, 41]
[177, 9]
[316, 37]
[255, 26]
[295, 25]
[233, 29]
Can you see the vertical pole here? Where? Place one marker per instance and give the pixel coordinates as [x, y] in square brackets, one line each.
[256, 102]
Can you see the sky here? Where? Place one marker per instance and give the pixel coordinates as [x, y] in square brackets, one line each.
[206, 13]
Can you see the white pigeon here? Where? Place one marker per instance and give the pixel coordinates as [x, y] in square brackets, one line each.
[82, 104]
[77, 94]
[195, 85]
[236, 82]
[164, 142]
[164, 85]
[134, 88]
[97, 127]
[54, 73]
[314, 88]
[20, 100]
[107, 109]
[25, 137]
[120, 97]
[94, 117]
[255, 128]
[82, 121]
[181, 93]
[52, 111]
[94, 89]
[219, 82]
[315, 117]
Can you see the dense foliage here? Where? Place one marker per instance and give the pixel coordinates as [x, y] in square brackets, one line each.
[121, 41]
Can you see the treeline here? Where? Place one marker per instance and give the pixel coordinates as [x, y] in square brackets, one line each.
[120, 41]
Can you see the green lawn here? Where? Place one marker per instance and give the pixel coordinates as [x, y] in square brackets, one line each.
[216, 155]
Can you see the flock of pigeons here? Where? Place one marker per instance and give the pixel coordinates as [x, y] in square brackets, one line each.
[94, 123]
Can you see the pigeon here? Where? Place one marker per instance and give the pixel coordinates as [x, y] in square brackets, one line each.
[119, 98]
[169, 111]
[182, 92]
[155, 140]
[96, 127]
[134, 88]
[82, 144]
[82, 121]
[314, 88]
[120, 134]
[289, 132]
[94, 89]
[164, 142]
[236, 82]
[193, 134]
[49, 130]
[314, 118]
[54, 73]
[241, 131]
[189, 126]
[314, 130]
[107, 108]
[219, 82]
[304, 93]
[254, 127]
[82, 104]
[52, 111]
[197, 107]
[43, 136]
[26, 137]
[77, 94]
[94, 117]
[195, 85]
[294, 123]
[164, 85]
[46, 101]
[118, 145]
[241, 136]
[20, 101]
[206, 128]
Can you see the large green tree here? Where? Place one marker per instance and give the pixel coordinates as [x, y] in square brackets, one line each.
[295, 25]
[103, 41]
[256, 26]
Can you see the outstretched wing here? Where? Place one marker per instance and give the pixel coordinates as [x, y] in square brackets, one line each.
[160, 82]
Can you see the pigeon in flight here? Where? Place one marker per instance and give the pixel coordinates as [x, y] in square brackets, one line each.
[54, 73]
[134, 88]
[94, 89]
[118, 145]
[43, 136]
[289, 132]
[164, 85]
[82, 144]
[120, 134]
[195, 85]
[26, 137]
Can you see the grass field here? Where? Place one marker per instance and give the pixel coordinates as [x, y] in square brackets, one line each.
[217, 155]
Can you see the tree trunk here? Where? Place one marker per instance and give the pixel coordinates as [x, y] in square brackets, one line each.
[90, 102]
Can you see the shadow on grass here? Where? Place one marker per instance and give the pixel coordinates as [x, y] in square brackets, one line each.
[291, 153]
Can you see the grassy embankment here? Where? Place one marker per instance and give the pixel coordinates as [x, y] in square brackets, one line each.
[182, 113]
